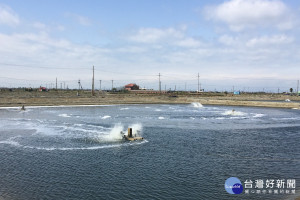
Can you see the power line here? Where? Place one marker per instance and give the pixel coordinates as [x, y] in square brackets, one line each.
[68, 68]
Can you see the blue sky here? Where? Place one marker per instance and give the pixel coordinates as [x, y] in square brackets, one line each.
[249, 44]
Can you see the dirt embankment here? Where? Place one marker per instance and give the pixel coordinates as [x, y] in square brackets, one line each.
[69, 97]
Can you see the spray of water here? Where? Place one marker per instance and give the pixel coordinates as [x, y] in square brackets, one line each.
[196, 105]
[117, 132]
[113, 135]
[136, 129]
[233, 112]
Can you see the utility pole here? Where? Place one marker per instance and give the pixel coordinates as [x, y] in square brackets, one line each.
[61, 86]
[78, 87]
[112, 85]
[278, 91]
[185, 86]
[297, 87]
[198, 83]
[56, 83]
[159, 82]
[93, 86]
[100, 85]
[64, 85]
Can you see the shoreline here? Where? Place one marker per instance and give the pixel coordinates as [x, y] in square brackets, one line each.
[69, 98]
[65, 102]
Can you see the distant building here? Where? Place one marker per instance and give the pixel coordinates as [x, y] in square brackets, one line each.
[43, 89]
[132, 86]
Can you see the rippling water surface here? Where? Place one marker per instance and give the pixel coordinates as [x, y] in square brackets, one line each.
[188, 152]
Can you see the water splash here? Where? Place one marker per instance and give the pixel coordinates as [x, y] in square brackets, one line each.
[196, 105]
[234, 113]
[118, 131]
[136, 129]
[258, 115]
[114, 134]
[106, 117]
[64, 115]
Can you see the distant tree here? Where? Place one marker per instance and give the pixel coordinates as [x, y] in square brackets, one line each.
[291, 90]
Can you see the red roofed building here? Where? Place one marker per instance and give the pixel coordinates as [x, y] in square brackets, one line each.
[132, 86]
[43, 89]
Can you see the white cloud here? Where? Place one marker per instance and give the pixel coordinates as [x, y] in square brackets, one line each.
[8, 16]
[170, 36]
[228, 40]
[242, 14]
[269, 40]
[60, 28]
[47, 28]
[38, 50]
[189, 42]
[154, 35]
[82, 20]
[85, 21]
[131, 49]
[39, 25]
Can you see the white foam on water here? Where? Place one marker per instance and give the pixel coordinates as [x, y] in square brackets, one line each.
[161, 118]
[11, 142]
[158, 110]
[237, 117]
[87, 148]
[124, 108]
[106, 117]
[17, 144]
[258, 115]
[295, 108]
[64, 115]
[286, 118]
[113, 135]
[220, 118]
[196, 105]
[192, 118]
[147, 107]
[81, 129]
[234, 113]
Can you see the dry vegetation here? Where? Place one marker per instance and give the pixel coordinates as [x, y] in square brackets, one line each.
[19, 97]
